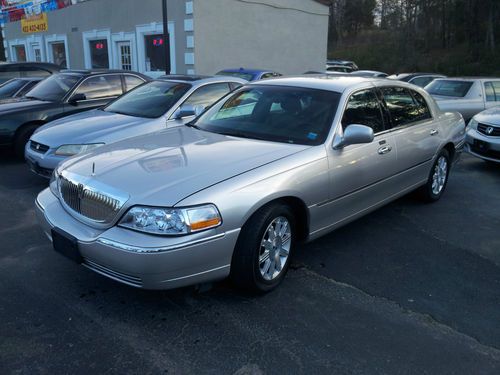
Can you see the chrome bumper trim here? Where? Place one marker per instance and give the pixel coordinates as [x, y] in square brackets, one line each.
[138, 249]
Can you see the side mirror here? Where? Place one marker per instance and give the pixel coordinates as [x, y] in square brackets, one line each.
[188, 110]
[354, 134]
[77, 98]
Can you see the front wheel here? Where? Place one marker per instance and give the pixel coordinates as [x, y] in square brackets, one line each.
[438, 178]
[262, 254]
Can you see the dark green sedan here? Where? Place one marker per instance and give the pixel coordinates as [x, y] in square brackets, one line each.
[60, 95]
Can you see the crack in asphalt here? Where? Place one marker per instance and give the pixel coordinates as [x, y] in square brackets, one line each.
[424, 318]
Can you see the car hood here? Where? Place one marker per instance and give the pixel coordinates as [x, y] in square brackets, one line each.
[20, 105]
[165, 167]
[490, 116]
[93, 126]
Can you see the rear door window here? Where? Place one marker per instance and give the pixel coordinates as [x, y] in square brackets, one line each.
[131, 82]
[402, 106]
[492, 90]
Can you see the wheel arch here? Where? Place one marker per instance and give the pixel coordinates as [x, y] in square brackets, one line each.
[25, 125]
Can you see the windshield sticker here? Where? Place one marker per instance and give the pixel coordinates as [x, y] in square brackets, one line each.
[312, 136]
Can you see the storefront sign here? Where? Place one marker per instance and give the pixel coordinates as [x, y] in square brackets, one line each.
[35, 24]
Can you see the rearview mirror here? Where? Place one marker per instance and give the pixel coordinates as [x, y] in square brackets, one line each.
[77, 98]
[354, 134]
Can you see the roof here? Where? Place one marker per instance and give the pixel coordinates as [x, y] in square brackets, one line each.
[103, 71]
[245, 70]
[465, 78]
[183, 77]
[41, 65]
[200, 79]
[337, 83]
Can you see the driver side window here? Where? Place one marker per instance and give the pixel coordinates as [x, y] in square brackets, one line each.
[363, 108]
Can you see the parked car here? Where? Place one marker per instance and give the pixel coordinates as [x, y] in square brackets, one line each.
[419, 79]
[483, 135]
[339, 68]
[27, 69]
[249, 74]
[468, 96]
[276, 162]
[350, 64]
[17, 87]
[154, 106]
[369, 73]
[60, 95]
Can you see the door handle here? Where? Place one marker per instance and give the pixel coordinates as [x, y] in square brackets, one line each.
[434, 131]
[384, 150]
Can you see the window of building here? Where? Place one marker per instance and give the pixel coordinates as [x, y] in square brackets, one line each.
[58, 50]
[101, 86]
[363, 108]
[99, 54]
[20, 53]
[125, 55]
[155, 52]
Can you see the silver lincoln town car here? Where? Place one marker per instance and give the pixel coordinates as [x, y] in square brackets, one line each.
[231, 194]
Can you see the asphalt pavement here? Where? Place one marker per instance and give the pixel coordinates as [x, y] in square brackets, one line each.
[410, 289]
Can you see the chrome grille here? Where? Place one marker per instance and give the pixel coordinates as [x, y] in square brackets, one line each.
[484, 129]
[38, 147]
[87, 202]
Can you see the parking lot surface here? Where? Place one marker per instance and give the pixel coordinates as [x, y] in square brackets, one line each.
[410, 289]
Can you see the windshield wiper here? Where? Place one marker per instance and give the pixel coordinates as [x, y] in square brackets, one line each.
[193, 125]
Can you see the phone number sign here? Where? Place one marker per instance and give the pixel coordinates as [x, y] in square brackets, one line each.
[35, 24]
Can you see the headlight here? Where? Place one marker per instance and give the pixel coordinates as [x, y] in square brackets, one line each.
[171, 221]
[472, 124]
[70, 150]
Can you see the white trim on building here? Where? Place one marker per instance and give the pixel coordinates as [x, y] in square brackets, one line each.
[91, 35]
[120, 39]
[53, 39]
[35, 48]
[151, 29]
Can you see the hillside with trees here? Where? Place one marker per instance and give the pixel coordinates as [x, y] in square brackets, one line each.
[454, 37]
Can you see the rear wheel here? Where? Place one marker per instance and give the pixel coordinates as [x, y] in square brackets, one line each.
[438, 178]
[22, 137]
[262, 254]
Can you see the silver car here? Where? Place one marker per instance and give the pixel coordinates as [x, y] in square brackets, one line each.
[275, 163]
[151, 107]
[467, 96]
[483, 135]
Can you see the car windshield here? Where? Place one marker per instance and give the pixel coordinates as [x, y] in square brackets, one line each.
[274, 113]
[150, 100]
[9, 88]
[242, 75]
[53, 88]
[456, 89]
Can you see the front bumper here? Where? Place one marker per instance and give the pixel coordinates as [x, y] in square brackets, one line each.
[142, 260]
[482, 146]
[42, 163]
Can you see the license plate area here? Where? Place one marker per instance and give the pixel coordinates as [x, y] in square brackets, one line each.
[481, 145]
[65, 244]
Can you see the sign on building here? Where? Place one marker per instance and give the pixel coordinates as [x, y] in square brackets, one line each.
[35, 24]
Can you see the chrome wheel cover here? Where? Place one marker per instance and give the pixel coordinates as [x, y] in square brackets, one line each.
[440, 175]
[275, 248]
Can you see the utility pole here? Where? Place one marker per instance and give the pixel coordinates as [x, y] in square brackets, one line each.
[166, 37]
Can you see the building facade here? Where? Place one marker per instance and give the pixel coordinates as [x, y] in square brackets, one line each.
[289, 36]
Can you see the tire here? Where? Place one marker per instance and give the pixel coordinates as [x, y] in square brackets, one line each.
[22, 137]
[249, 263]
[438, 178]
